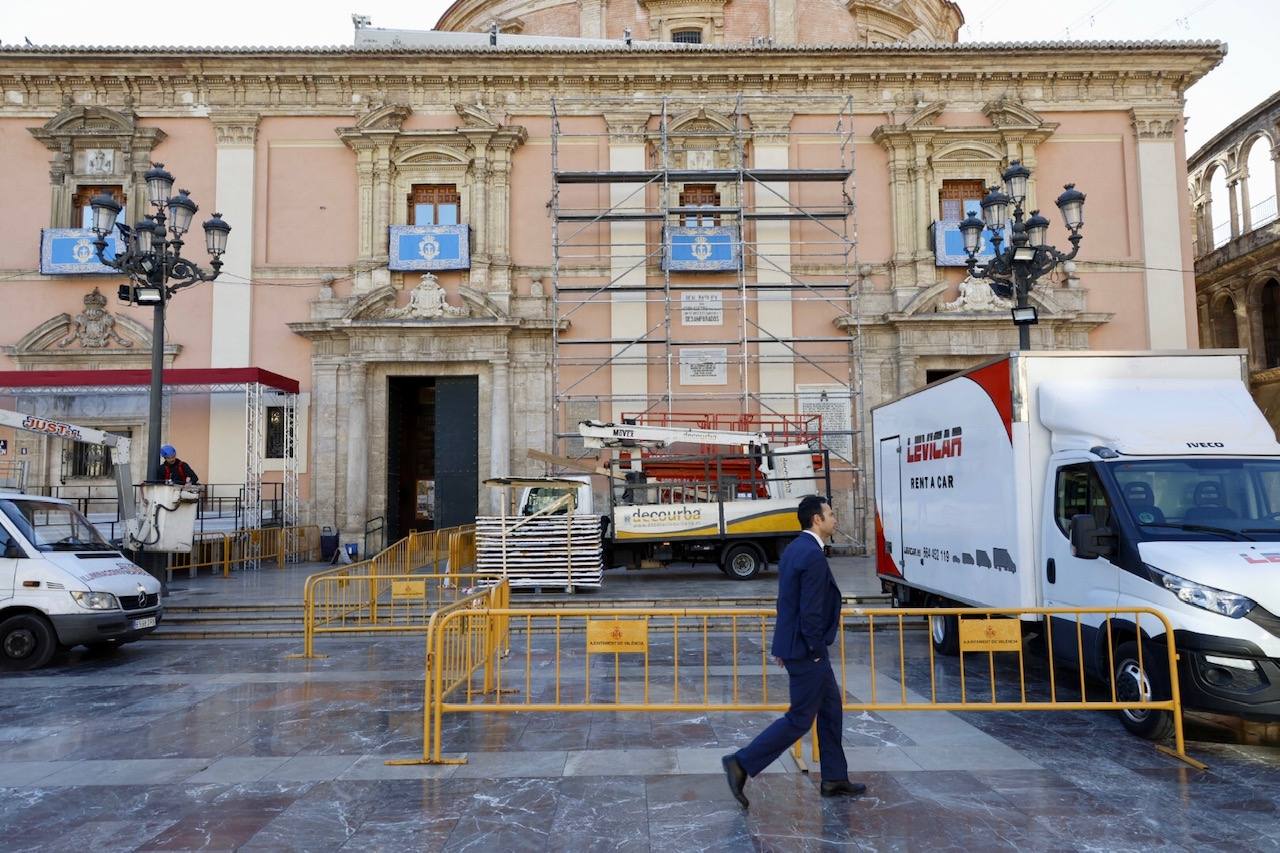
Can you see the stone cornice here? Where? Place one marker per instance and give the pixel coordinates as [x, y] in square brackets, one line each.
[341, 83]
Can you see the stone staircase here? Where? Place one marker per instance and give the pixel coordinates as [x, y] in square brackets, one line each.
[268, 620]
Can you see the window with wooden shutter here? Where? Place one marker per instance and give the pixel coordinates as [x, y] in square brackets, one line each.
[82, 212]
[700, 195]
[434, 204]
[957, 198]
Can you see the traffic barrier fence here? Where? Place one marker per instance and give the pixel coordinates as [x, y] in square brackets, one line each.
[717, 660]
[396, 590]
[236, 550]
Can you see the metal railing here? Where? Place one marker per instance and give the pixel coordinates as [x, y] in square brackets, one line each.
[717, 659]
[396, 590]
[247, 549]
[221, 504]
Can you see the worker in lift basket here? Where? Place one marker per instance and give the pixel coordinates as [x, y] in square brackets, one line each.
[174, 470]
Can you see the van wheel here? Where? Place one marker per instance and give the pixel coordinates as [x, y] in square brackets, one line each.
[27, 642]
[944, 631]
[1135, 685]
[742, 563]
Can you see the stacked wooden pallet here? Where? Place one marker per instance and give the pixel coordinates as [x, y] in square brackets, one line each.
[555, 551]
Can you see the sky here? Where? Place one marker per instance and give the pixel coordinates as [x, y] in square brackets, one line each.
[1244, 79]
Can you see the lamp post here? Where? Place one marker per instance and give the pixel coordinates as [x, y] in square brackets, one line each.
[150, 255]
[1028, 256]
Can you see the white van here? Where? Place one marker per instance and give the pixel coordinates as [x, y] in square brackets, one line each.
[62, 584]
[1096, 480]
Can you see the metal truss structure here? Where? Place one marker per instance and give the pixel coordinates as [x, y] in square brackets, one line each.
[794, 239]
[261, 389]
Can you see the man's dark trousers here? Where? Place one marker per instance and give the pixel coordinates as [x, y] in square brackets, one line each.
[814, 692]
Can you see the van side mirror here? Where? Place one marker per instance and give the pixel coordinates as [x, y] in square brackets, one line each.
[1089, 540]
[13, 551]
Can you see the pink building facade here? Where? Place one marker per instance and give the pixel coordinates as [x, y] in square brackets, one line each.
[393, 248]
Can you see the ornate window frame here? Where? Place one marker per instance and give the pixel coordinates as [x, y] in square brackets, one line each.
[667, 16]
[475, 157]
[77, 130]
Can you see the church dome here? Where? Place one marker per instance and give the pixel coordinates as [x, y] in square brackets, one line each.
[715, 21]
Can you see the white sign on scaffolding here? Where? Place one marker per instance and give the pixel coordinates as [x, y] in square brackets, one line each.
[703, 366]
[832, 403]
[701, 309]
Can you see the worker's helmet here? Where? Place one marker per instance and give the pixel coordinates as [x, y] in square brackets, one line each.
[168, 451]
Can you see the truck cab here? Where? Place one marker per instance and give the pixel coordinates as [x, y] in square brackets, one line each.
[1196, 537]
[63, 584]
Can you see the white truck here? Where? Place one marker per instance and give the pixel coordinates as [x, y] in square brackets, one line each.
[736, 510]
[1095, 480]
[61, 583]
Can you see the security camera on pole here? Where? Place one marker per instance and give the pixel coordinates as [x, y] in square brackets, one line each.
[1014, 270]
[150, 254]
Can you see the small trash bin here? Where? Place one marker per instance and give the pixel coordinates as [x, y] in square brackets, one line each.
[328, 543]
[353, 550]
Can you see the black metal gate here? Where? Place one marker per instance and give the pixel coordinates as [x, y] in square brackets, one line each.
[457, 449]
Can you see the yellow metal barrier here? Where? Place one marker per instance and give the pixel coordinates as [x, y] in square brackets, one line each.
[224, 551]
[398, 589]
[717, 659]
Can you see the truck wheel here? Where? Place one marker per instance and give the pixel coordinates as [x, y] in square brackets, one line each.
[1135, 685]
[944, 631]
[742, 563]
[26, 642]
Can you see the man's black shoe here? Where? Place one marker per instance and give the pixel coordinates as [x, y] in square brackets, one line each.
[843, 789]
[737, 778]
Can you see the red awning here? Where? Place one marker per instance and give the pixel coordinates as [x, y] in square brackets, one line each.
[188, 380]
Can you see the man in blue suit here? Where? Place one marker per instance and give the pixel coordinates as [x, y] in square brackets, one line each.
[808, 618]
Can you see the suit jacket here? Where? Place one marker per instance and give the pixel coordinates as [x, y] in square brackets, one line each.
[808, 602]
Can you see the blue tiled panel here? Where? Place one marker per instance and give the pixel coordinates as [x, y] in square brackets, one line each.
[948, 245]
[70, 251]
[713, 248]
[429, 247]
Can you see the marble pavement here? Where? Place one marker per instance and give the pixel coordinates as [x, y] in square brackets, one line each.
[204, 746]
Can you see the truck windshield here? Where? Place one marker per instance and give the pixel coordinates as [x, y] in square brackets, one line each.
[541, 497]
[1203, 498]
[53, 527]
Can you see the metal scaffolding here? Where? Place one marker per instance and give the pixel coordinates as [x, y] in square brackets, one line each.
[615, 248]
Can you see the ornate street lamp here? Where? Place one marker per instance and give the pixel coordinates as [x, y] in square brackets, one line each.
[1015, 269]
[151, 256]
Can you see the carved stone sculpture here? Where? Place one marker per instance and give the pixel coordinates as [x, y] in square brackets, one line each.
[427, 302]
[95, 327]
[977, 296]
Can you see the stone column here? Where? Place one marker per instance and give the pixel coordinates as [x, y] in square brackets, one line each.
[1206, 323]
[324, 443]
[1275, 160]
[382, 201]
[591, 19]
[499, 216]
[628, 319]
[1246, 215]
[357, 453]
[773, 239]
[231, 317]
[783, 14]
[1244, 338]
[1235, 207]
[1159, 182]
[499, 428]
[482, 249]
